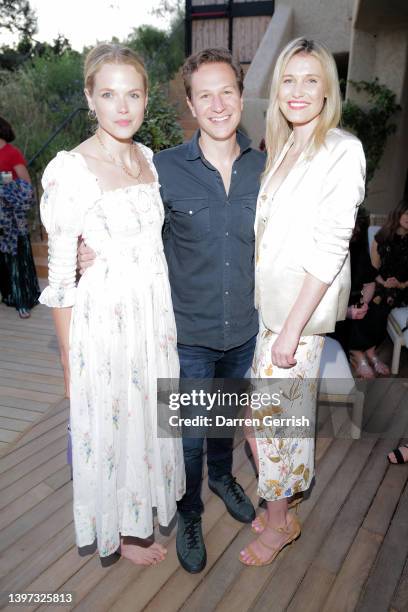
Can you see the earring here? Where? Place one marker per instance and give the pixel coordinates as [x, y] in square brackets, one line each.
[91, 115]
[146, 115]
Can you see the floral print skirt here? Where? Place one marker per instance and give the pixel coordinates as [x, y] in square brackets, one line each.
[286, 464]
[123, 338]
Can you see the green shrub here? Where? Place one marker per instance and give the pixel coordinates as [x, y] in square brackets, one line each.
[372, 124]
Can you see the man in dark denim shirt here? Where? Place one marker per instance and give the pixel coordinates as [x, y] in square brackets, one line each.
[209, 188]
[209, 243]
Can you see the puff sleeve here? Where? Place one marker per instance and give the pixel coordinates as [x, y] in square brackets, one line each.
[342, 192]
[62, 213]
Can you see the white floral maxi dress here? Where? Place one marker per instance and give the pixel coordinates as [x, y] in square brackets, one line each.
[122, 338]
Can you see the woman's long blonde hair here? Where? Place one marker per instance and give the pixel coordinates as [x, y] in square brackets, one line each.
[277, 127]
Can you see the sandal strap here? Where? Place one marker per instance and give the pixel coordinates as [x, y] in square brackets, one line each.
[253, 555]
[398, 455]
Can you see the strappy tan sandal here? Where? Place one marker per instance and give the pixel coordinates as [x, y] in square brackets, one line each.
[293, 533]
[294, 503]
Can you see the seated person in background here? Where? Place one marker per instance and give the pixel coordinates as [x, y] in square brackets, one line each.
[389, 255]
[355, 332]
[365, 328]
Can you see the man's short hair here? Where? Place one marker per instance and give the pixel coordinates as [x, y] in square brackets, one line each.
[210, 56]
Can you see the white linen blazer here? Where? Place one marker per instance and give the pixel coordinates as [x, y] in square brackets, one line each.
[306, 226]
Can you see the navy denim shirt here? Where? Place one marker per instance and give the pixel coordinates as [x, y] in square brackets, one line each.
[209, 243]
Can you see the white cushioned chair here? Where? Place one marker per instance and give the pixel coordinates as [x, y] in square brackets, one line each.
[336, 384]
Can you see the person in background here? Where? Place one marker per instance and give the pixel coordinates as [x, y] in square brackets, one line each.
[354, 333]
[389, 255]
[18, 277]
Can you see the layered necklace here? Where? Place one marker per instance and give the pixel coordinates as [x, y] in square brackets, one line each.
[118, 163]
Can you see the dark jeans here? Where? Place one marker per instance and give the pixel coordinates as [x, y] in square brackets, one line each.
[201, 362]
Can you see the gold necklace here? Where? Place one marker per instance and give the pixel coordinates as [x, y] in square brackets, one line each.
[118, 163]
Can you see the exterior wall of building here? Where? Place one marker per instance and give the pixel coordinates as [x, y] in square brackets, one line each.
[384, 54]
[374, 53]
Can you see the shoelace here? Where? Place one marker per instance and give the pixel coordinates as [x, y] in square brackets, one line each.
[191, 530]
[236, 490]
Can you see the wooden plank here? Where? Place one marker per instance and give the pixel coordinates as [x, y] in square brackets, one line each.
[59, 478]
[385, 575]
[44, 360]
[32, 346]
[37, 396]
[24, 484]
[22, 452]
[9, 350]
[284, 582]
[55, 575]
[46, 378]
[26, 466]
[399, 601]
[24, 503]
[329, 559]
[82, 581]
[41, 559]
[361, 555]
[15, 425]
[23, 404]
[54, 390]
[35, 367]
[22, 415]
[46, 423]
[7, 436]
[350, 580]
[17, 566]
[34, 517]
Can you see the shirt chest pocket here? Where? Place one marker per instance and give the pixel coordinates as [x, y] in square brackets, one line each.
[190, 218]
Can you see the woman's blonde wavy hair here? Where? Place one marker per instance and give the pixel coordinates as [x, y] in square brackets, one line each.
[278, 128]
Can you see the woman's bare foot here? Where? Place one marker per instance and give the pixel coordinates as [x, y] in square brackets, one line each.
[274, 538]
[141, 555]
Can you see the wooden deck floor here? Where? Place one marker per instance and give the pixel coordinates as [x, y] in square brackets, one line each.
[352, 554]
[30, 374]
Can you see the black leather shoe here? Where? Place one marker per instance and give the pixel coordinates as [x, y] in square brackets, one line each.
[190, 544]
[232, 494]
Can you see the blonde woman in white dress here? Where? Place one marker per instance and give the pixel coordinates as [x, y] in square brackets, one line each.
[116, 328]
[311, 189]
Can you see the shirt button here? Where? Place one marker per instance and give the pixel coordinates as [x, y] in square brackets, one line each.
[227, 293]
[226, 323]
[227, 263]
[227, 233]
[234, 172]
[190, 212]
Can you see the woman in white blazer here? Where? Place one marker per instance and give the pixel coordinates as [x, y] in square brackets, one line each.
[312, 186]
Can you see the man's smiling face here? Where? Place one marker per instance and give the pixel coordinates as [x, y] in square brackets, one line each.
[216, 101]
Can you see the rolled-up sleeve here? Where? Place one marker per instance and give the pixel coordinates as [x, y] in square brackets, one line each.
[342, 193]
[62, 217]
